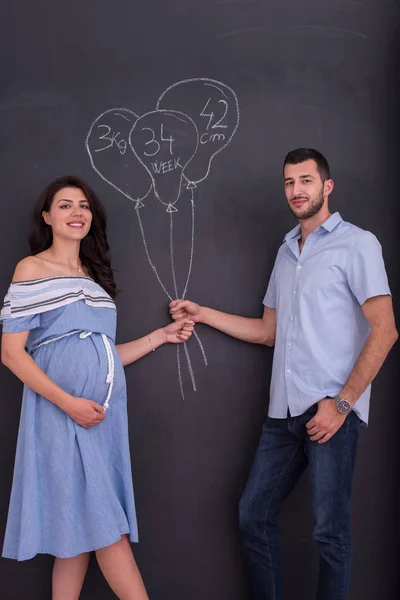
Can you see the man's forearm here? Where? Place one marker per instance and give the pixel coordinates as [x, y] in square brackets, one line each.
[371, 359]
[253, 330]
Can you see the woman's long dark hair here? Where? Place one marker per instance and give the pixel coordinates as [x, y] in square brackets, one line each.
[94, 249]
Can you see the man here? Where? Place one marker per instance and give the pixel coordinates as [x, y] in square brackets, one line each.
[328, 310]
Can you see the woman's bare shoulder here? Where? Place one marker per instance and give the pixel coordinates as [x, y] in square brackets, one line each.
[27, 269]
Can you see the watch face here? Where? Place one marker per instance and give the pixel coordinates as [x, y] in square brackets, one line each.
[343, 406]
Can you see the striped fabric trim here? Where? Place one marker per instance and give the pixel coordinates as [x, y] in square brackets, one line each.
[25, 298]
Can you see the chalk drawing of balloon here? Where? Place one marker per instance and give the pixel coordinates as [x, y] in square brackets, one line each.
[214, 108]
[165, 142]
[107, 144]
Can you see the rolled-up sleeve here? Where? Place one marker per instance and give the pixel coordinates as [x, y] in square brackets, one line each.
[366, 274]
[270, 295]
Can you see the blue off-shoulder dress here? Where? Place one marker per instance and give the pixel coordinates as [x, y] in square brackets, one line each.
[72, 488]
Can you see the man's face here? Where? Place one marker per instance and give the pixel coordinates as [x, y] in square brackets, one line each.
[304, 189]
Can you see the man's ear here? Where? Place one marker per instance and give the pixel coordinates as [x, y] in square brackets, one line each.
[328, 187]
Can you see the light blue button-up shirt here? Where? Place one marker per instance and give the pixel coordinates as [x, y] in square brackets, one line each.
[321, 328]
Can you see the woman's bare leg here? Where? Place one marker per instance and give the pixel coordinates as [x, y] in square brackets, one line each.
[119, 568]
[68, 576]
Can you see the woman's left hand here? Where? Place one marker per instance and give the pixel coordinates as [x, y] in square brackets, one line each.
[179, 331]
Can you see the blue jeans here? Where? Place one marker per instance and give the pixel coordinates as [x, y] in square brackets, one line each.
[284, 452]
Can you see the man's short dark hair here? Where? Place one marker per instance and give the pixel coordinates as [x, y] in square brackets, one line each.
[294, 157]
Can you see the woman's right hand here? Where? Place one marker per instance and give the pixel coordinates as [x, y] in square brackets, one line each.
[85, 413]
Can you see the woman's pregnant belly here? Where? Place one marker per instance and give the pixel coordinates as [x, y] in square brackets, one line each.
[80, 367]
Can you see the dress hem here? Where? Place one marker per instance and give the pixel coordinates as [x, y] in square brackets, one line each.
[133, 538]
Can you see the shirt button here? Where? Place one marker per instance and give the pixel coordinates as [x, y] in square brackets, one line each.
[289, 345]
[291, 318]
[299, 267]
[288, 371]
[294, 291]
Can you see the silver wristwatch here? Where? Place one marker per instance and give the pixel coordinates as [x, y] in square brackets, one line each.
[342, 405]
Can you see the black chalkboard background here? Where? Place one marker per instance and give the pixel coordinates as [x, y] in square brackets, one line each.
[319, 73]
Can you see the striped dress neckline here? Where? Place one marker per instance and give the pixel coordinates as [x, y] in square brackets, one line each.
[41, 295]
[52, 277]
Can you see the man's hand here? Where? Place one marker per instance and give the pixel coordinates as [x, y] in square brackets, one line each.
[185, 309]
[326, 422]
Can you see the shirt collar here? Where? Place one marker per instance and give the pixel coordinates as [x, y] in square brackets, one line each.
[328, 225]
[294, 233]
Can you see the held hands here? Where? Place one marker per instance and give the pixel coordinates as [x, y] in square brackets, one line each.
[179, 332]
[326, 422]
[85, 413]
[181, 309]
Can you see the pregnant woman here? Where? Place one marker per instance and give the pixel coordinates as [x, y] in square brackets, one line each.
[72, 489]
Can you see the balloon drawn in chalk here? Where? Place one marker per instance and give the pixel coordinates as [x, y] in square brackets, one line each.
[165, 142]
[214, 108]
[166, 153]
[107, 144]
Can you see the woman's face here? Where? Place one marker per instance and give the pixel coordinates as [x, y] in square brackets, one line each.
[69, 216]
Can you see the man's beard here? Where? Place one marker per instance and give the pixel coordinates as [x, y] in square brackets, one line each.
[312, 209]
